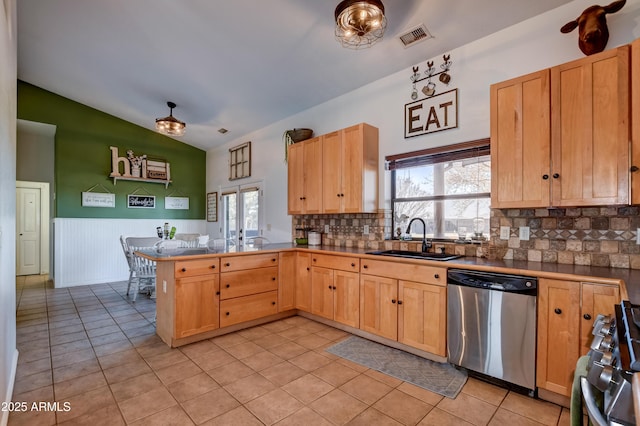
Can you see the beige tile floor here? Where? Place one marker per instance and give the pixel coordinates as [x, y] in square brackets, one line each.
[92, 348]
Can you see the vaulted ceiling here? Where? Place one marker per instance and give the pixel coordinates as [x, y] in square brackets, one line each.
[240, 64]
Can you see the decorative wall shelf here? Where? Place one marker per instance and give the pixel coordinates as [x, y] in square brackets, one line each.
[165, 182]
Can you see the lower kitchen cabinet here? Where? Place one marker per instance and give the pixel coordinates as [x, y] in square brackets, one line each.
[335, 289]
[566, 310]
[287, 286]
[422, 316]
[247, 308]
[303, 281]
[395, 305]
[196, 305]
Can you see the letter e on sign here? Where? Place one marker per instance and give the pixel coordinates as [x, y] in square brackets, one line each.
[431, 114]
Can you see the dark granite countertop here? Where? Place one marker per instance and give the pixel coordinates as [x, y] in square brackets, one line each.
[630, 277]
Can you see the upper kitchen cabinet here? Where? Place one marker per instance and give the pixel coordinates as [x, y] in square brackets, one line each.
[350, 170]
[590, 130]
[635, 122]
[520, 142]
[305, 177]
[560, 137]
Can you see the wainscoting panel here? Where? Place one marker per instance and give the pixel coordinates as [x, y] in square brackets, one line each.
[88, 251]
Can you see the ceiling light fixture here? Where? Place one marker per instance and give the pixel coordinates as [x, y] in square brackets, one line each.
[170, 125]
[360, 24]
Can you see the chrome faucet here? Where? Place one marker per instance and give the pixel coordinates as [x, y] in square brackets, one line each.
[426, 245]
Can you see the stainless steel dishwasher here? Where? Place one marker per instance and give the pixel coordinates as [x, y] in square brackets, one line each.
[491, 325]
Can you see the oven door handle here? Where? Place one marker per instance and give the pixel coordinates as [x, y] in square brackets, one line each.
[595, 415]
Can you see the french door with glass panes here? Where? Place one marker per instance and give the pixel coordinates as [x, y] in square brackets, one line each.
[241, 213]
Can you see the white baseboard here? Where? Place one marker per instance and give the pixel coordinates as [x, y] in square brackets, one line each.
[12, 379]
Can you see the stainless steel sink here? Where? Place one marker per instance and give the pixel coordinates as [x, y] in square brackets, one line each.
[415, 255]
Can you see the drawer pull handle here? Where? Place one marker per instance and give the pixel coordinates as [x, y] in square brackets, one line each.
[213, 266]
[557, 311]
[184, 269]
[273, 260]
[227, 264]
[365, 267]
[436, 276]
[399, 302]
[353, 265]
[586, 316]
[393, 300]
[315, 260]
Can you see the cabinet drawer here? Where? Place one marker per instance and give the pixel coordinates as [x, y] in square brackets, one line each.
[405, 271]
[252, 281]
[336, 262]
[190, 268]
[236, 263]
[247, 308]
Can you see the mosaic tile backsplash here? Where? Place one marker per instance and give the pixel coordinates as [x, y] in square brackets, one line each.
[596, 236]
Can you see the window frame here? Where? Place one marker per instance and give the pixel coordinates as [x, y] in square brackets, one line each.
[432, 156]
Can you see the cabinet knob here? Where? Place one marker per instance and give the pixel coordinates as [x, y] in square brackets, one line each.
[634, 169]
[329, 287]
[184, 269]
[556, 175]
[228, 285]
[436, 276]
[334, 287]
[227, 264]
[217, 293]
[586, 316]
[213, 266]
[227, 314]
[545, 177]
[315, 260]
[337, 195]
[399, 302]
[365, 267]
[308, 268]
[274, 259]
[273, 303]
[557, 311]
[353, 265]
[393, 300]
[342, 195]
[273, 278]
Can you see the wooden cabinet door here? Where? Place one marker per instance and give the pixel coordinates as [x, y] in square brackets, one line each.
[558, 334]
[422, 316]
[378, 306]
[312, 176]
[303, 281]
[596, 299]
[346, 298]
[322, 292]
[590, 130]
[352, 168]
[521, 142]
[196, 305]
[332, 170]
[287, 281]
[295, 178]
[635, 122]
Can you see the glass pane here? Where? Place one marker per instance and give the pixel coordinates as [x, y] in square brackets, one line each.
[230, 215]
[251, 208]
[468, 176]
[414, 182]
[466, 217]
[405, 211]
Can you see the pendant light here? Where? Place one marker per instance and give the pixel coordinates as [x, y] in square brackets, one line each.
[170, 125]
[360, 24]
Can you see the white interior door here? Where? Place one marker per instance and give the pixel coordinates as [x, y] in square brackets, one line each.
[241, 212]
[28, 230]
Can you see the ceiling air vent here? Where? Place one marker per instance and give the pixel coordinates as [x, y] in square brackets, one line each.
[415, 35]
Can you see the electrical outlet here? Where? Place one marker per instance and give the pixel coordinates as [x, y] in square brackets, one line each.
[637, 235]
[326, 229]
[365, 230]
[524, 233]
[164, 286]
[505, 231]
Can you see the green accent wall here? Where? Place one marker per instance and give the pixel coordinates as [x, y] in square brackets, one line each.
[82, 159]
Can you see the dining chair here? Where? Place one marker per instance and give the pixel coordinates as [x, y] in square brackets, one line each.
[257, 241]
[190, 239]
[143, 275]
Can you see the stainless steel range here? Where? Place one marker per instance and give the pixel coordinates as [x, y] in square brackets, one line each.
[613, 359]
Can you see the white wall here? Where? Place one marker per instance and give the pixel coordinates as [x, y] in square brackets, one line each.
[88, 251]
[529, 46]
[8, 79]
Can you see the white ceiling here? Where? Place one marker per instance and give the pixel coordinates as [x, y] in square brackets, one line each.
[240, 64]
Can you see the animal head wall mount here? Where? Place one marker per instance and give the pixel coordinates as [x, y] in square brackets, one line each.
[593, 33]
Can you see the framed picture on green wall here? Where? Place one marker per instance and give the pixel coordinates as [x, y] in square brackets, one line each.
[212, 207]
[141, 201]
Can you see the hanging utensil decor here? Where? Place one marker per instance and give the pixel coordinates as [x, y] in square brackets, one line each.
[429, 89]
